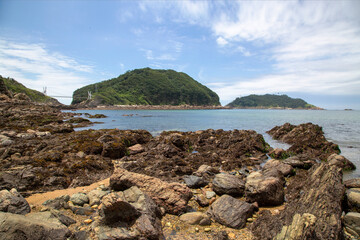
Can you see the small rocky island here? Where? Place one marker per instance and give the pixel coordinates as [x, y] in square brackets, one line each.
[271, 101]
[57, 183]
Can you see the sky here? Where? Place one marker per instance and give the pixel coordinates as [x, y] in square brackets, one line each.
[305, 49]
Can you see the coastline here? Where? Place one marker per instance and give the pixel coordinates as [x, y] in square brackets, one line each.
[180, 107]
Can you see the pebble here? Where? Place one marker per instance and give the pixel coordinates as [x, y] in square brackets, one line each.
[88, 221]
[168, 224]
[231, 235]
[196, 229]
[94, 206]
[44, 209]
[210, 194]
[250, 219]
[207, 229]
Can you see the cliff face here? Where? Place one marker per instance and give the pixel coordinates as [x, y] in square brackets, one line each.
[149, 87]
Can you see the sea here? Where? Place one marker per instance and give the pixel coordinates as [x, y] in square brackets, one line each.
[340, 126]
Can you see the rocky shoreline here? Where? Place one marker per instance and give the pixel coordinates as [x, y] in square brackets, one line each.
[208, 184]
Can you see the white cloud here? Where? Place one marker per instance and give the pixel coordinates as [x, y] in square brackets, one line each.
[221, 41]
[35, 66]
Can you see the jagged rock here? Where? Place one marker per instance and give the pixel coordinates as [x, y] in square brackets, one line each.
[173, 197]
[307, 139]
[202, 200]
[352, 223]
[128, 215]
[352, 183]
[341, 161]
[265, 188]
[12, 202]
[96, 195]
[353, 199]
[193, 181]
[228, 184]
[58, 203]
[14, 226]
[313, 210]
[196, 218]
[79, 199]
[284, 168]
[230, 212]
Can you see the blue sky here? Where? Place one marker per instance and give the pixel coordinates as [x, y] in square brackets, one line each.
[306, 49]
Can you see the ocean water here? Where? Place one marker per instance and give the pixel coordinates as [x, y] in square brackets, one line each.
[340, 127]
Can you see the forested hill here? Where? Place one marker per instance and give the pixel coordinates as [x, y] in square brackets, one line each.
[149, 87]
[36, 96]
[270, 101]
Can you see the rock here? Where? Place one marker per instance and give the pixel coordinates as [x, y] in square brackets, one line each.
[193, 181]
[172, 196]
[196, 218]
[284, 168]
[306, 139]
[230, 212]
[264, 189]
[278, 153]
[128, 215]
[12, 202]
[80, 235]
[210, 194]
[58, 203]
[96, 195]
[14, 226]
[353, 199]
[86, 211]
[313, 210]
[352, 183]
[5, 141]
[352, 223]
[341, 161]
[202, 200]
[205, 169]
[296, 162]
[228, 184]
[79, 199]
[135, 149]
[52, 216]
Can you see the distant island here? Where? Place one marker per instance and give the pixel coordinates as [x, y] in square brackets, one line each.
[14, 88]
[147, 87]
[270, 101]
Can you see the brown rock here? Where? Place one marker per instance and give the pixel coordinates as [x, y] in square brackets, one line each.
[172, 196]
[285, 169]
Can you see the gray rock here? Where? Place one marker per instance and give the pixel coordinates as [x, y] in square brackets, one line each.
[196, 218]
[193, 181]
[352, 223]
[96, 195]
[228, 184]
[296, 162]
[52, 216]
[15, 226]
[202, 200]
[87, 211]
[12, 202]
[230, 211]
[58, 203]
[353, 199]
[265, 188]
[79, 199]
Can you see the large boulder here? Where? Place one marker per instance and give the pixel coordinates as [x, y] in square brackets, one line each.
[230, 211]
[228, 184]
[265, 188]
[313, 210]
[128, 215]
[12, 202]
[15, 226]
[173, 197]
[79, 199]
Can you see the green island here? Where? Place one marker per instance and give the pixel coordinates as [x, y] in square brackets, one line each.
[149, 87]
[270, 101]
